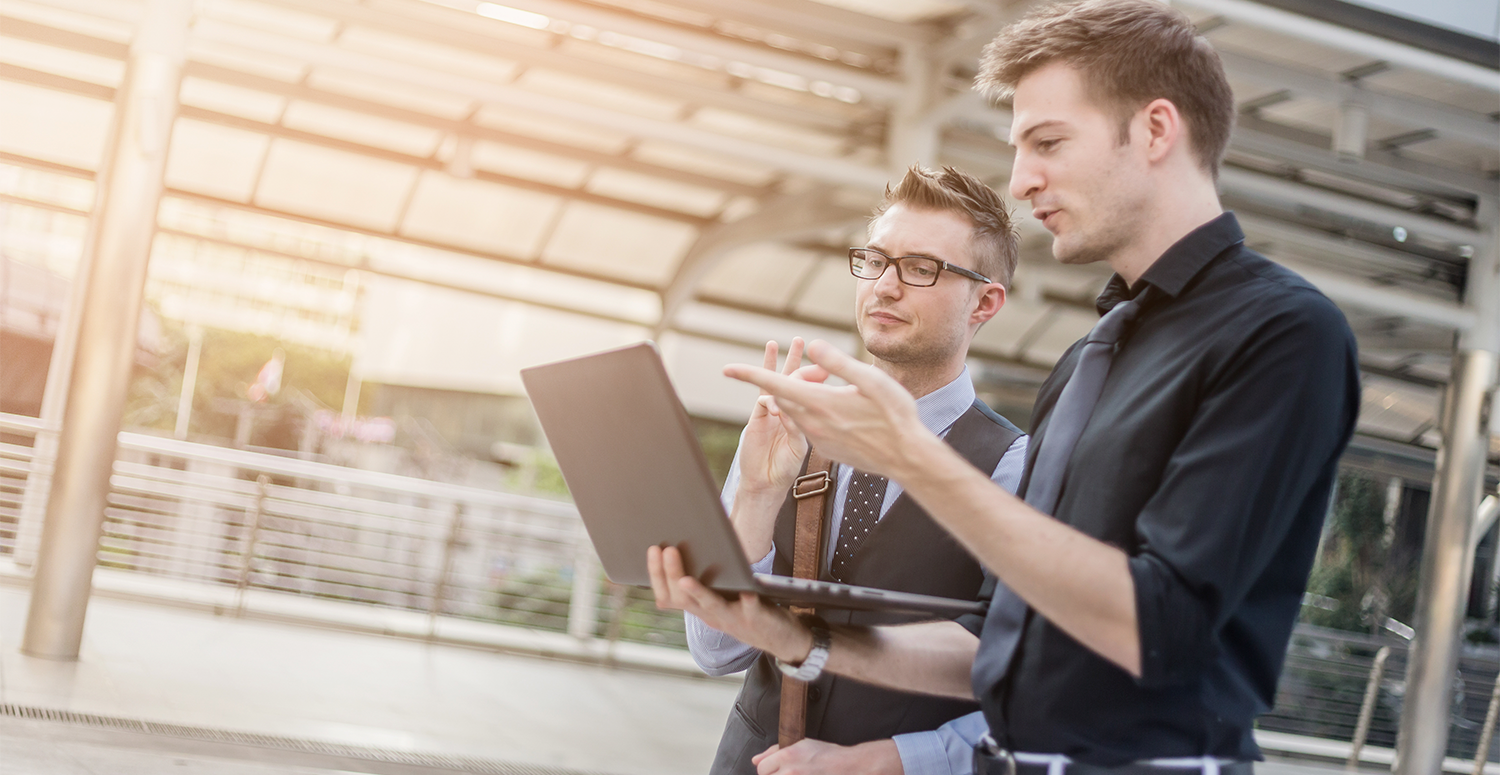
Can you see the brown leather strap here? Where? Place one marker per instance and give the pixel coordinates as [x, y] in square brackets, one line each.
[811, 491]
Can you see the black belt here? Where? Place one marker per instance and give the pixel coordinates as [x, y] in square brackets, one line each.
[992, 760]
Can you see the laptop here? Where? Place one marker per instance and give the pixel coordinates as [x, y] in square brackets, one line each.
[639, 478]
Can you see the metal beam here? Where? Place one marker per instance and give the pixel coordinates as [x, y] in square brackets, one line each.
[392, 236]
[461, 129]
[1373, 260]
[840, 171]
[723, 47]
[1325, 34]
[1310, 150]
[1255, 185]
[118, 249]
[472, 39]
[827, 22]
[74, 41]
[784, 218]
[1346, 290]
[1472, 126]
[434, 165]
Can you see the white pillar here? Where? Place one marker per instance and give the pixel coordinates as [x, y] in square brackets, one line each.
[1448, 551]
[118, 248]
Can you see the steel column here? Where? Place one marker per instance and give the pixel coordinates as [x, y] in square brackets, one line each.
[118, 247]
[1448, 549]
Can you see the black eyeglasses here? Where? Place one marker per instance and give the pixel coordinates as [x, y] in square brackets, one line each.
[870, 264]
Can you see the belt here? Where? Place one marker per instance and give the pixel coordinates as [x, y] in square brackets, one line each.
[991, 759]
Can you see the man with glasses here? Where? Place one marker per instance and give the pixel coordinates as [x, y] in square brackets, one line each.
[940, 254]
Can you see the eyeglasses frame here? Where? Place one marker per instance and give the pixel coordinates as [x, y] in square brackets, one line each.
[896, 262]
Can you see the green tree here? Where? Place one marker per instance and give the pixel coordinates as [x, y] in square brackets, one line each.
[1355, 570]
[227, 366]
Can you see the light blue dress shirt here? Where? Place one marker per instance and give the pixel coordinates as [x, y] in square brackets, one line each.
[943, 751]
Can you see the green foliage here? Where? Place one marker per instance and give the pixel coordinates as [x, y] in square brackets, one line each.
[228, 364]
[1357, 567]
[719, 441]
[540, 600]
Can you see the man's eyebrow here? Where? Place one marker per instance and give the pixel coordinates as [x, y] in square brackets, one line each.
[874, 246]
[1034, 127]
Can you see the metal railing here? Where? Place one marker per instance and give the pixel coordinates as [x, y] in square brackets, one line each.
[1337, 686]
[250, 520]
[254, 521]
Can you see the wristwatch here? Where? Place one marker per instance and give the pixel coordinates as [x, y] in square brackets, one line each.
[812, 666]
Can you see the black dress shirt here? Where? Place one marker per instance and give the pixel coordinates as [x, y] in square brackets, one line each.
[1209, 459]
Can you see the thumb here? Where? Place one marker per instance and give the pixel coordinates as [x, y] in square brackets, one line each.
[756, 759]
[839, 364]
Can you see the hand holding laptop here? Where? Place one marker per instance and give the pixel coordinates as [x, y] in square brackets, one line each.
[750, 619]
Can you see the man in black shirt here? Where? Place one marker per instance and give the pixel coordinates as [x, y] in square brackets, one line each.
[1185, 452]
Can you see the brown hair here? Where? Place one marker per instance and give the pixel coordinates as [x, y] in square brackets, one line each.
[1129, 52]
[994, 243]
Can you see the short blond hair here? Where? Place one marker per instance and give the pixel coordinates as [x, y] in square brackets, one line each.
[995, 244]
[1129, 52]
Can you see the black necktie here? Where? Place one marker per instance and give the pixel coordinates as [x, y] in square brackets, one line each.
[861, 511]
[1007, 614]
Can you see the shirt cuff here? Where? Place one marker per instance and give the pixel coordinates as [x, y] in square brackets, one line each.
[764, 564]
[922, 754]
[947, 750]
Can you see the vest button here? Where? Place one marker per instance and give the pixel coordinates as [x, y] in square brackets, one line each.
[814, 693]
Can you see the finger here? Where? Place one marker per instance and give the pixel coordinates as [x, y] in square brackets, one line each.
[838, 363]
[659, 586]
[769, 361]
[794, 355]
[786, 389]
[812, 373]
[758, 758]
[686, 590]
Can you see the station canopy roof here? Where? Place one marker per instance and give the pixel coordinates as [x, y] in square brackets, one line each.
[695, 169]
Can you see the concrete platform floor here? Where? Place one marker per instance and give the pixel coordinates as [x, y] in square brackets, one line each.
[227, 696]
[160, 664]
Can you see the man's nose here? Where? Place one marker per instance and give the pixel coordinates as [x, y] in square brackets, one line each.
[1025, 178]
[889, 284]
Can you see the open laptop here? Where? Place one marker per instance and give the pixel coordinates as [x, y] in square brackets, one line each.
[639, 478]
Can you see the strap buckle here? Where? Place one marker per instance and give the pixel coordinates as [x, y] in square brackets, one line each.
[989, 747]
[817, 480]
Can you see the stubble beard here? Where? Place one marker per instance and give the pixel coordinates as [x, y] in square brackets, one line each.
[912, 351]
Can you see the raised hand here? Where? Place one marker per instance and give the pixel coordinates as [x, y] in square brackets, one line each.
[867, 424]
[772, 448]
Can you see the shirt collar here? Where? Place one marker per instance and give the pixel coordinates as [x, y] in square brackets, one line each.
[1179, 264]
[940, 408]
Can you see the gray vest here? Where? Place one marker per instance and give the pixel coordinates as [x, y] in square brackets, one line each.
[907, 552]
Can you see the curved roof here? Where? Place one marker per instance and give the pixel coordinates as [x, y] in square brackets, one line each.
[614, 169]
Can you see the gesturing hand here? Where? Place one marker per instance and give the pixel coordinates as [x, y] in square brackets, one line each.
[867, 423]
[772, 448]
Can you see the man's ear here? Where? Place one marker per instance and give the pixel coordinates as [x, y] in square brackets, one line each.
[1163, 126]
[987, 303]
